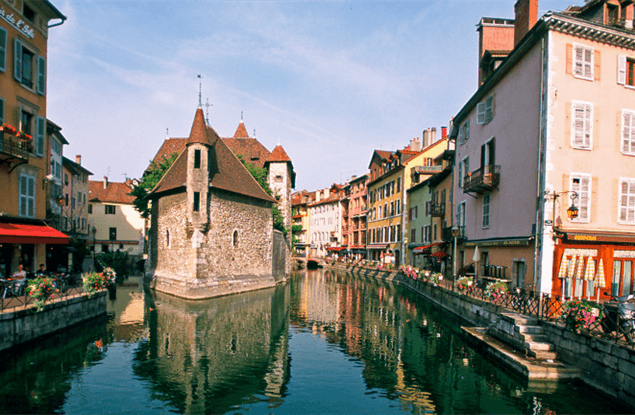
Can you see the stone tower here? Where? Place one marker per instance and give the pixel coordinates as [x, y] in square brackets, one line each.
[198, 149]
[281, 180]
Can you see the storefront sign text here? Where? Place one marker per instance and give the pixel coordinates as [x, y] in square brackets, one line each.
[18, 23]
[585, 238]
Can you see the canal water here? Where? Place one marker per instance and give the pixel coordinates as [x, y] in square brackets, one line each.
[325, 343]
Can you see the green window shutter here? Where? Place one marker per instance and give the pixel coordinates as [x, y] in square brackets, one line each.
[17, 60]
[41, 127]
[41, 75]
[1, 110]
[3, 50]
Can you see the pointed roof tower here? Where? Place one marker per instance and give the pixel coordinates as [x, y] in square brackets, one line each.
[200, 133]
[241, 131]
[279, 155]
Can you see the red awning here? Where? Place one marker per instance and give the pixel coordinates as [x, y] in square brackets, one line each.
[439, 254]
[336, 248]
[424, 249]
[15, 233]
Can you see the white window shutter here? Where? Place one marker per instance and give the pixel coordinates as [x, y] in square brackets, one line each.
[17, 60]
[621, 69]
[480, 113]
[579, 57]
[489, 108]
[582, 128]
[628, 132]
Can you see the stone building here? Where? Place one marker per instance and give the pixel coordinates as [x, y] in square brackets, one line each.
[211, 223]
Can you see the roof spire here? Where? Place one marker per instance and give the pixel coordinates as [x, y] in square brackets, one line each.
[241, 116]
[200, 98]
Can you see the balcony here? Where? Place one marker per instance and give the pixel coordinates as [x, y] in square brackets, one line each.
[13, 150]
[482, 180]
[437, 210]
[446, 234]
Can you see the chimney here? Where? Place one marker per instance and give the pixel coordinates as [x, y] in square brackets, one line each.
[526, 12]
[415, 144]
[78, 159]
[444, 132]
[433, 135]
[425, 138]
[105, 182]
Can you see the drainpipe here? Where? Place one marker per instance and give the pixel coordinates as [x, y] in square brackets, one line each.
[540, 178]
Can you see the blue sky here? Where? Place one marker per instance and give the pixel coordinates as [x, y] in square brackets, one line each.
[330, 81]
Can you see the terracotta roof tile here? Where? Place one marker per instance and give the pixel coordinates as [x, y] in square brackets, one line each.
[250, 149]
[169, 146]
[241, 131]
[113, 193]
[279, 155]
[200, 133]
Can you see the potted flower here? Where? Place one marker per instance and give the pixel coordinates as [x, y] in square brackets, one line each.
[93, 281]
[464, 285]
[41, 289]
[580, 314]
[9, 129]
[496, 290]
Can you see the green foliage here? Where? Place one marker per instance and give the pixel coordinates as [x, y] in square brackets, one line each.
[81, 250]
[149, 180]
[118, 261]
[260, 174]
[296, 228]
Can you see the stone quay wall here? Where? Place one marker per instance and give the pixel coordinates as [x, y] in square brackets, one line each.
[26, 324]
[606, 366]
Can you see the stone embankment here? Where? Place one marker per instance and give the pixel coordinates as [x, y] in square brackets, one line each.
[539, 350]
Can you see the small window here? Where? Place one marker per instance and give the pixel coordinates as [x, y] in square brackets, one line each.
[485, 111]
[196, 205]
[582, 125]
[626, 201]
[235, 239]
[464, 132]
[197, 159]
[278, 178]
[90, 208]
[167, 238]
[110, 209]
[583, 62]
[28, 13]
[581, 184]
[486, 210]
[112, 234]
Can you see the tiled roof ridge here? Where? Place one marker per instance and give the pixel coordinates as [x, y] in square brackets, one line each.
[241, 131]
[115, 192]
[279, 155]
[168, 171]
[199, 132]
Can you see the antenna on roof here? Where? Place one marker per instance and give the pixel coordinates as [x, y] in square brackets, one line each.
[254, 133]
[167, 132]
[207, 105]
[241, 117]
[200, 98]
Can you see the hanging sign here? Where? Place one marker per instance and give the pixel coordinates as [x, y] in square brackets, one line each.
[18, 23]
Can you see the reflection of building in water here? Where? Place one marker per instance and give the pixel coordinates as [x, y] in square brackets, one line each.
[129, 310]
[319, 302]
[201, 348]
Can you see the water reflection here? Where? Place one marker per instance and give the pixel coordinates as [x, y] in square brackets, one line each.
[324, 343]
[204, 356]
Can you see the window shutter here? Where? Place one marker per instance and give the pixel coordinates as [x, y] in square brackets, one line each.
[569, 68]
[41, 75]
[628, 132]
[492, 151]
[31, 194]
[596, 65]
[621, 69]
[489, 109]
[3, 50]
[1, 110]
[480, 113]
[483, 155]
[583, 189]
[467, 129]
[587, 62]
[41, 127]
[17, 60]
[581, 131]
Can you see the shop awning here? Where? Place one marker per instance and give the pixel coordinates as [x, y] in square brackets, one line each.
[439, 254]
[18, 233]
[336, 248]
[424, 249]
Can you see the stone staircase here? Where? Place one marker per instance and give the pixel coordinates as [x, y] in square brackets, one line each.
[520, 343]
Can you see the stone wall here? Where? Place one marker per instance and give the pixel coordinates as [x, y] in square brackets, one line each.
[232, 254]
[25, 324]
[281, 256]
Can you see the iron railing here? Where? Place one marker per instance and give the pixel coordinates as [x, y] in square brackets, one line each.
[14, 296]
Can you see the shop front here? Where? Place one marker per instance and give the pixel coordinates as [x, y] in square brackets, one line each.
[593, 266]
[26, 242]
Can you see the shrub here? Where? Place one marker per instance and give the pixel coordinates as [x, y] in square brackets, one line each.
[580, 314]
[495, 290]
[93, 281]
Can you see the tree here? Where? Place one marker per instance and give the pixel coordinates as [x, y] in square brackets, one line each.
[150, 178]
[260, 174]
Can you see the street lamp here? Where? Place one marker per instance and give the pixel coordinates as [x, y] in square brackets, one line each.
[455, 234]
[572, 211]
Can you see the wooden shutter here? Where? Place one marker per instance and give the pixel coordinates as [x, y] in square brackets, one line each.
[628, 132]
[41, 129]
[1, 110]
[467, 129]
[621, 69]
[581, 130]
[489, 109]
[569, 63]
[480, 113]
[17, 60]
[583, 202]
[41, 75]
[596, 65]
[3, 50]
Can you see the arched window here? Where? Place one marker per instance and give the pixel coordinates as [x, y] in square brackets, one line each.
[235, 239]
